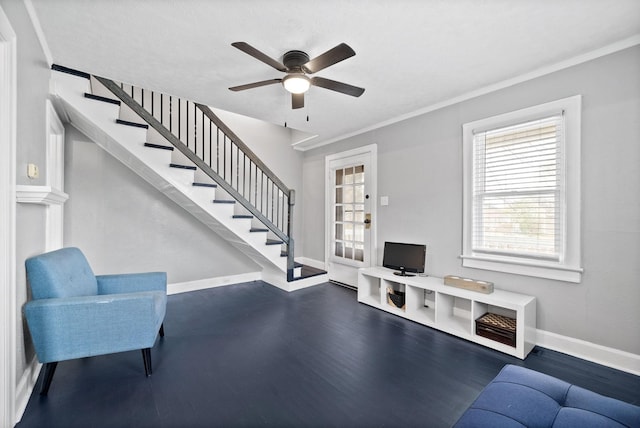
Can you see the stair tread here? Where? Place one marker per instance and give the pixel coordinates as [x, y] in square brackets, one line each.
[308, 272]
[177, 165]
[158, 146]
[274, 242]
[223, 201]
[258, 229]
[63, 69]
[135, 124]
[197, 184]
[101, 98]
[242, 216]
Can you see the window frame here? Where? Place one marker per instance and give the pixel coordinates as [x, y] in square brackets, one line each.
[568, 268]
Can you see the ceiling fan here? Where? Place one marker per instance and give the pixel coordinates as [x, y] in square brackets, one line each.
[298, 66]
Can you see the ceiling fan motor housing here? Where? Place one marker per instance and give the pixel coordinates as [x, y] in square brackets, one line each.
[294, 60]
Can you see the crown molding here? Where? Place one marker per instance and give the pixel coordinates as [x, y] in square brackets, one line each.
[576, 60]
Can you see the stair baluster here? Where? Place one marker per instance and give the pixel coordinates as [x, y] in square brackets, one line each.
[232, 175]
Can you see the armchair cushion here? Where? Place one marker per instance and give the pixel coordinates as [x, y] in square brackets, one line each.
[61, 273]
[132, 282]
[84, 326]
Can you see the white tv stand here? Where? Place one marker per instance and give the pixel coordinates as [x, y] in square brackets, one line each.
[450, 309]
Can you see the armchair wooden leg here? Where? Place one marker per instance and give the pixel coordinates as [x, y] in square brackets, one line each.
[162, 330]
[47, 377]
[146, 357]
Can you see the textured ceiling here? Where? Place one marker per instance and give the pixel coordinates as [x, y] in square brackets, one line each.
[410, 54]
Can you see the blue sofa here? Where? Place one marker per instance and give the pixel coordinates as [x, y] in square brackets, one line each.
[520, 397]
[75, 314]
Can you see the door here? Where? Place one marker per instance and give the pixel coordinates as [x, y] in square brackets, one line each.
[350, 213]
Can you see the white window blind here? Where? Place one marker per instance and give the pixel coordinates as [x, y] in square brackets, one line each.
[518, 190]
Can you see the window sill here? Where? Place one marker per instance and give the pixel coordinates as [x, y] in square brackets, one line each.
[536, 269]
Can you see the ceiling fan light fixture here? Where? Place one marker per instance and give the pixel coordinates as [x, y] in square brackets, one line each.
[296, 83]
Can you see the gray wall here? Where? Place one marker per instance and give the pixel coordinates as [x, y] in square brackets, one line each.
[420, 169]
[123, 224]
[33, 87]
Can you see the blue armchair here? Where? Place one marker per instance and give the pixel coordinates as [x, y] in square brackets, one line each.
[74, 313]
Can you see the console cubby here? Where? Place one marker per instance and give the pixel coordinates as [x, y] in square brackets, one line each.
[453, 310]
[421, 305]
[453, 313]
[369, 290]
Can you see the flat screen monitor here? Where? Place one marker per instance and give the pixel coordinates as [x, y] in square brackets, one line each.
[404, 258]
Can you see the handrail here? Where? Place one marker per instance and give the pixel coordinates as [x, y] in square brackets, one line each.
[256, 187]
[243, 147]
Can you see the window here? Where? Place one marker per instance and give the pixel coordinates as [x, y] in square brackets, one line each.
[522, 192]
[349, 213]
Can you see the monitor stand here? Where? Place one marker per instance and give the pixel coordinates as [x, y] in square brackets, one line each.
[403, 273]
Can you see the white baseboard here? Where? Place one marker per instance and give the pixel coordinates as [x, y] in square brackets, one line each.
[202, 284]
[25, 387]
[311, 262]
[595, 353]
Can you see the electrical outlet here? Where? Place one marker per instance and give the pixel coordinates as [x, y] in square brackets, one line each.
[33, 171]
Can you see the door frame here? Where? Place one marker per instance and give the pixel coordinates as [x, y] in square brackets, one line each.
[8, 120]
[370, 150]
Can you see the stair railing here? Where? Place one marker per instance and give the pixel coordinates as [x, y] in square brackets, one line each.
[200, 135]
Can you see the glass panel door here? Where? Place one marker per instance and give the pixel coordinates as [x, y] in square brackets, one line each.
[349, 197]
[350, 222]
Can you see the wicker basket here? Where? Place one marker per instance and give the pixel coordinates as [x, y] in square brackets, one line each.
[396, 298]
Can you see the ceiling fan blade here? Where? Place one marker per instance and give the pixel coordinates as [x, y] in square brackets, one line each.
[330, 57]
[250, 50]
[297, 101]
[344, 88]
[255, 85]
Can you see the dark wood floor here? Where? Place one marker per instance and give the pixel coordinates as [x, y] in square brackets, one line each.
[252, 355]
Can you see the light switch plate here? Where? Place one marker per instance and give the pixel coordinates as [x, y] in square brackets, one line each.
[384, 201]
[33, 171]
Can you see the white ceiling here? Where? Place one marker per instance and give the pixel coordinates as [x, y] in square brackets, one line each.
[410, 54]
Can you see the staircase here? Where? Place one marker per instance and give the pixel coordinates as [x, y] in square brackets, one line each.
[185, 151]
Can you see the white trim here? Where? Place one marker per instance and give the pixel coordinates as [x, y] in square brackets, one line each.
[55, 148]
[610, 357]
[539, 269]
[543, 71]
[26, 386]
[304, 140]
[370, 150]
[44, 195]
[318, 264]
[203, 284]
[569, 267]
[8, 310]
[55, 178]
[35, 22]
[8, 315]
